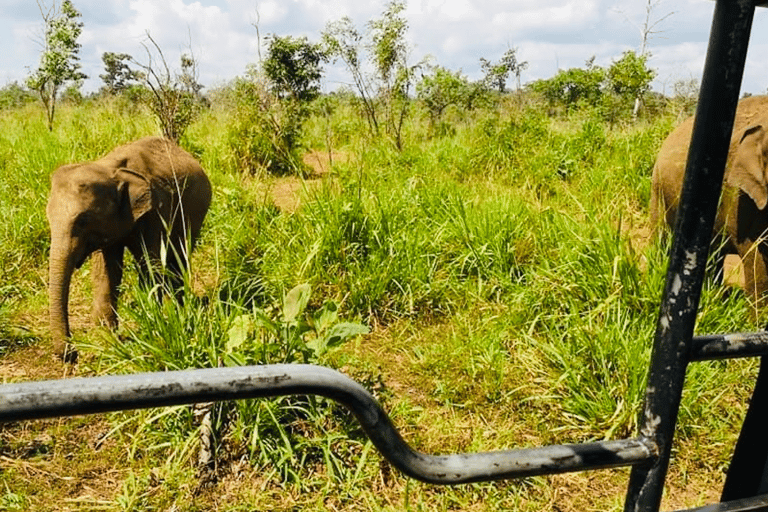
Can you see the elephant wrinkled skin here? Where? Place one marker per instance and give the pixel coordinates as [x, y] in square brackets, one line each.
[742, 217]
[148, 196]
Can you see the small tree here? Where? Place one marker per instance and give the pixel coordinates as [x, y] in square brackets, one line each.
[294, 67]
[442, 88]
[685, 95]
[343, 41]
[264, 132]
[387, 46]
[175, 97]
[496, 74]
[630, 78]
[72, 93]
[389, 54]
[118, 74]
[387, 51]
[59, 60]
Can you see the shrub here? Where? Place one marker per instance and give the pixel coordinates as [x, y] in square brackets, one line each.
[264, 132]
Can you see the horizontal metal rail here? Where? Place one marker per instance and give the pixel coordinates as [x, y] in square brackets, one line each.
[77, 396]
[728, 346]
[743, 505]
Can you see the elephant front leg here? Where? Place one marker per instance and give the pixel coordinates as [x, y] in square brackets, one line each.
[106, 274]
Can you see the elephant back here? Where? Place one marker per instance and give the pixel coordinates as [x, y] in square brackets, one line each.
[153, 158]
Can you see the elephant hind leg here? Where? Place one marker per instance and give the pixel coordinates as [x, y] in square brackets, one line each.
[755, 261]
[161, 270]
[177, 264]
[719, 249]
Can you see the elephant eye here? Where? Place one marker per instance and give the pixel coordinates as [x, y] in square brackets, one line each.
[81, 223]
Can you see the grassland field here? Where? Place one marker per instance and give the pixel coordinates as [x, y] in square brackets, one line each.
[504, 269]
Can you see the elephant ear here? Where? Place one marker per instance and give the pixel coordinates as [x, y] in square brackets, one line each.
[748, 167]
[134, 192]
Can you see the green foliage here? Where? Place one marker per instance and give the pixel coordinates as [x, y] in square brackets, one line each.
[14, 95]
[496, 74]
[613, 92]
[573, 87]
[118, 75]
[344, 42]
[502, 266]
[59, 60]
[630, 77]
[295, 336]
[388, 46]
[263, 134]
[443, 88]
[278, 434]
[72, 93]
[293, 65]
[13, 501]
[384, 95]
[685, 95]
[175, 97]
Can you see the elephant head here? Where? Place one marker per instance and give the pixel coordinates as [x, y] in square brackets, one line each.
[748, 169]
[91, 206]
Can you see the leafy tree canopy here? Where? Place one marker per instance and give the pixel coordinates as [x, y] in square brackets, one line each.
[441, 88]
[573, 86]
[630, 76]
[294, 66]
[118, 75]
[497, 74]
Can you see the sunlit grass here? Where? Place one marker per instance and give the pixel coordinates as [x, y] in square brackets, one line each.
[502, 262]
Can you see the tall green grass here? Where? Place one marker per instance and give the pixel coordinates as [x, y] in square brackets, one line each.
[502, 263]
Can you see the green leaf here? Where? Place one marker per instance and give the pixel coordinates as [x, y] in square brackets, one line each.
[318, 346]
[295, 302]
[234, 359]
[325, 316]
[342, 332]
[241, 328]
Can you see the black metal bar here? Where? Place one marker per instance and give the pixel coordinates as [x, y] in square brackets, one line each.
[29, 400]
[748, 475]
[753, 504]
[728, 346]
[718, 97]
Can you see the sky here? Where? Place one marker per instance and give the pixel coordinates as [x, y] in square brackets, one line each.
[547, 34]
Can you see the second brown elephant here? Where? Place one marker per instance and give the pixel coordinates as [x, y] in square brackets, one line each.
[148, 196]
[742, 217]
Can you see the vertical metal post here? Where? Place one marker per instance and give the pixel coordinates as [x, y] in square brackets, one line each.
[748, 473]
[718, 97]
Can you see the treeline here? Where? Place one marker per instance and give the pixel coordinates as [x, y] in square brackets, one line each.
[274, 97]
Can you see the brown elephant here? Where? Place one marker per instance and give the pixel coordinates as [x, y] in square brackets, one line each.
[149, 196]
[741, 225]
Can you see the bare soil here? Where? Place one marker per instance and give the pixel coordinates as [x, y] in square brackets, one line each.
[287, 193]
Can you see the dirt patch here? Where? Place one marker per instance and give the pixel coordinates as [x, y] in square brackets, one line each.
[322, 162]
[287, 194]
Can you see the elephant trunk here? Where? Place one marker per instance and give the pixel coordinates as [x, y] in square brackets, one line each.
[60, 268]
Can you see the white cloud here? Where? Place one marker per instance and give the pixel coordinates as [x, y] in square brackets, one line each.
[444, 10]
[547, 33]
[560, 17]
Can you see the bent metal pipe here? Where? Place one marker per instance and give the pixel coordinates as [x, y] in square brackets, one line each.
[77, 396]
